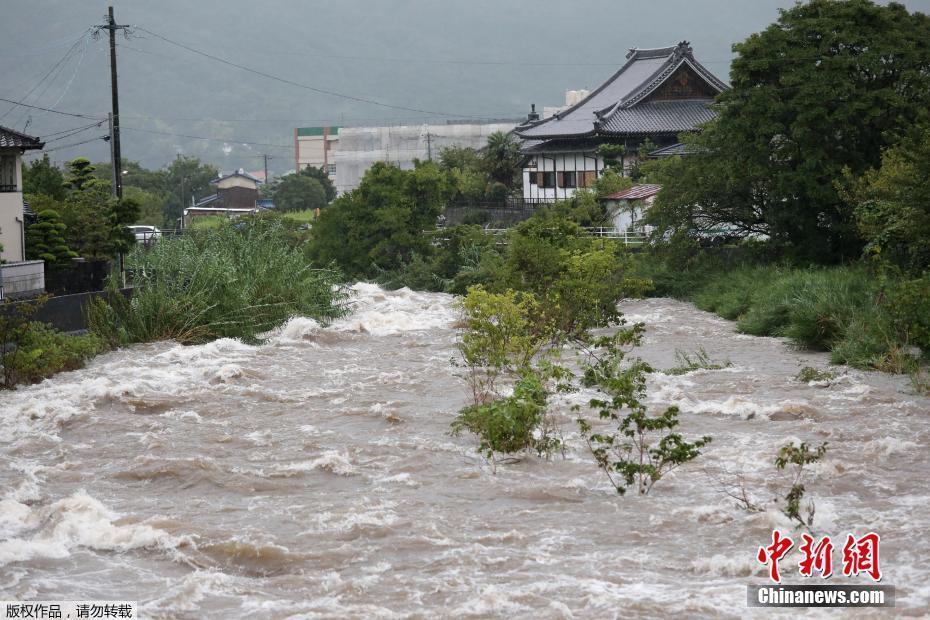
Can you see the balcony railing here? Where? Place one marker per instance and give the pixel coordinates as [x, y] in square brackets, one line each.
[8, 188]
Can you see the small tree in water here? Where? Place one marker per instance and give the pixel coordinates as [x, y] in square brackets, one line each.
[641, 449]
[797, 457]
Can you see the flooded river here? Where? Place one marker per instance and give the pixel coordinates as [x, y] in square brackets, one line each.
[313, 476]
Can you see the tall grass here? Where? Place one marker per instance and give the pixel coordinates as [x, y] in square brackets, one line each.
[225, 282]
[863, 320]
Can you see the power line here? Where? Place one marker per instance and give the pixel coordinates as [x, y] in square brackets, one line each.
[37, 107]
[73, 132]
[58, 133]
[61, 60]
[224, 140]
[297, 84]
[68, 146]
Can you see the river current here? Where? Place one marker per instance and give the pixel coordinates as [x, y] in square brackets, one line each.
[314, 476]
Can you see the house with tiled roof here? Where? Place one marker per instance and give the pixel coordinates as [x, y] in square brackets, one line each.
[627, 207]
[656, 95]
[12, 220]
[236, 194]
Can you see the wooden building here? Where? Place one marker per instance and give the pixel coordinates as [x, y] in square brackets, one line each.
[657, 95]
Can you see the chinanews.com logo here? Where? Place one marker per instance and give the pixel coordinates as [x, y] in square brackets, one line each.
[860, 556]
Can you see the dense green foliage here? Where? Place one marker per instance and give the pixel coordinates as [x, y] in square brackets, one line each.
[507, 425]
[380, 225]
[222, 282]
[31, 351]
[893, 205]
[864, 318]
[299, 192]
[45, 239]
[41, 177]
[815, 98]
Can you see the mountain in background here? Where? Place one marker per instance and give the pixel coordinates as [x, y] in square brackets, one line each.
[449, 59]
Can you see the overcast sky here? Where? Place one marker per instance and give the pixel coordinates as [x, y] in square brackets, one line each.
[443, 58]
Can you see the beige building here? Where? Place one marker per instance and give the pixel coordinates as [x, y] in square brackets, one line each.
[12, 223]
[315, 146]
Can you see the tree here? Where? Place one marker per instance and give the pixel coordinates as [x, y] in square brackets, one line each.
[320, 175]
[380, 225]
[893, 205]
[502, 158]
[821, 91]
[41, 177]
[81, 174]
[186, 178]
[299, 192]
[151, 205]
[45, 239]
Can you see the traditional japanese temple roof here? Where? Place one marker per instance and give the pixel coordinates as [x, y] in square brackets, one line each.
[657, 91]
[10, 138]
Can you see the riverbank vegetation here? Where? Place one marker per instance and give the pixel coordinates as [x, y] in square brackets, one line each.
[31, 351]
[227, 282]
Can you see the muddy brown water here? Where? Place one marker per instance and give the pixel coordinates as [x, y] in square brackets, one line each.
[313, 476]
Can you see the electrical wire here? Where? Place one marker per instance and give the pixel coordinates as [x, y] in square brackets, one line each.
[298, 84]
[47, 74]
[68, 146]
[37, 107]
[224, 140]
[73, 132]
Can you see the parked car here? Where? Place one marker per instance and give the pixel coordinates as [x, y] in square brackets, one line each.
[145, 234]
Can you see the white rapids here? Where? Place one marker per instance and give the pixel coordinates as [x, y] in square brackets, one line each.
[314, 476]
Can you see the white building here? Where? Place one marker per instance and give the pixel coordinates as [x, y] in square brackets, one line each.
[627, 207]
[657, 95]
[12, 223]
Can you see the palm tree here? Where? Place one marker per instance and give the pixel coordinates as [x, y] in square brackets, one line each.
[502, 158]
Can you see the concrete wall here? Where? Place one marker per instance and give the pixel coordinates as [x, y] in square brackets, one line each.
[360, 147]
[22, 279]
[316, 150]
[11, 213]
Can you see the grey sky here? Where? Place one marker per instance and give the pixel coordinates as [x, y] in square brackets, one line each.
[458, 57]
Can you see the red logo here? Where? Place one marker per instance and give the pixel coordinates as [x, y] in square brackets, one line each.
[861, 556]
[817, 557]
[774, 552]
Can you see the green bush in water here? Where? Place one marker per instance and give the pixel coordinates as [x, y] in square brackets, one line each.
[234, 281]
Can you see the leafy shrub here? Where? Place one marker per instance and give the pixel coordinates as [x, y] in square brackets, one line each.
[796, 458]
[908, 307]
[507, 425]
[501, 337]
[45, 351]
[641, 448]
[808, 374]
[697, 360]
[224, 282]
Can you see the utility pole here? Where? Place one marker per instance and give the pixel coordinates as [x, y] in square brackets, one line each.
[115, 151]
[265, 157]
[429, 146]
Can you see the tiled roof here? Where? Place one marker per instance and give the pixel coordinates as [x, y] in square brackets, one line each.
[238, 173]
[206, 201]
[644, 72]
[636, 192]
[657, 117]
[10, 138]
[669, 151]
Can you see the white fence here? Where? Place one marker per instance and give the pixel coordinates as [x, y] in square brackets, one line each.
[627, 237]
